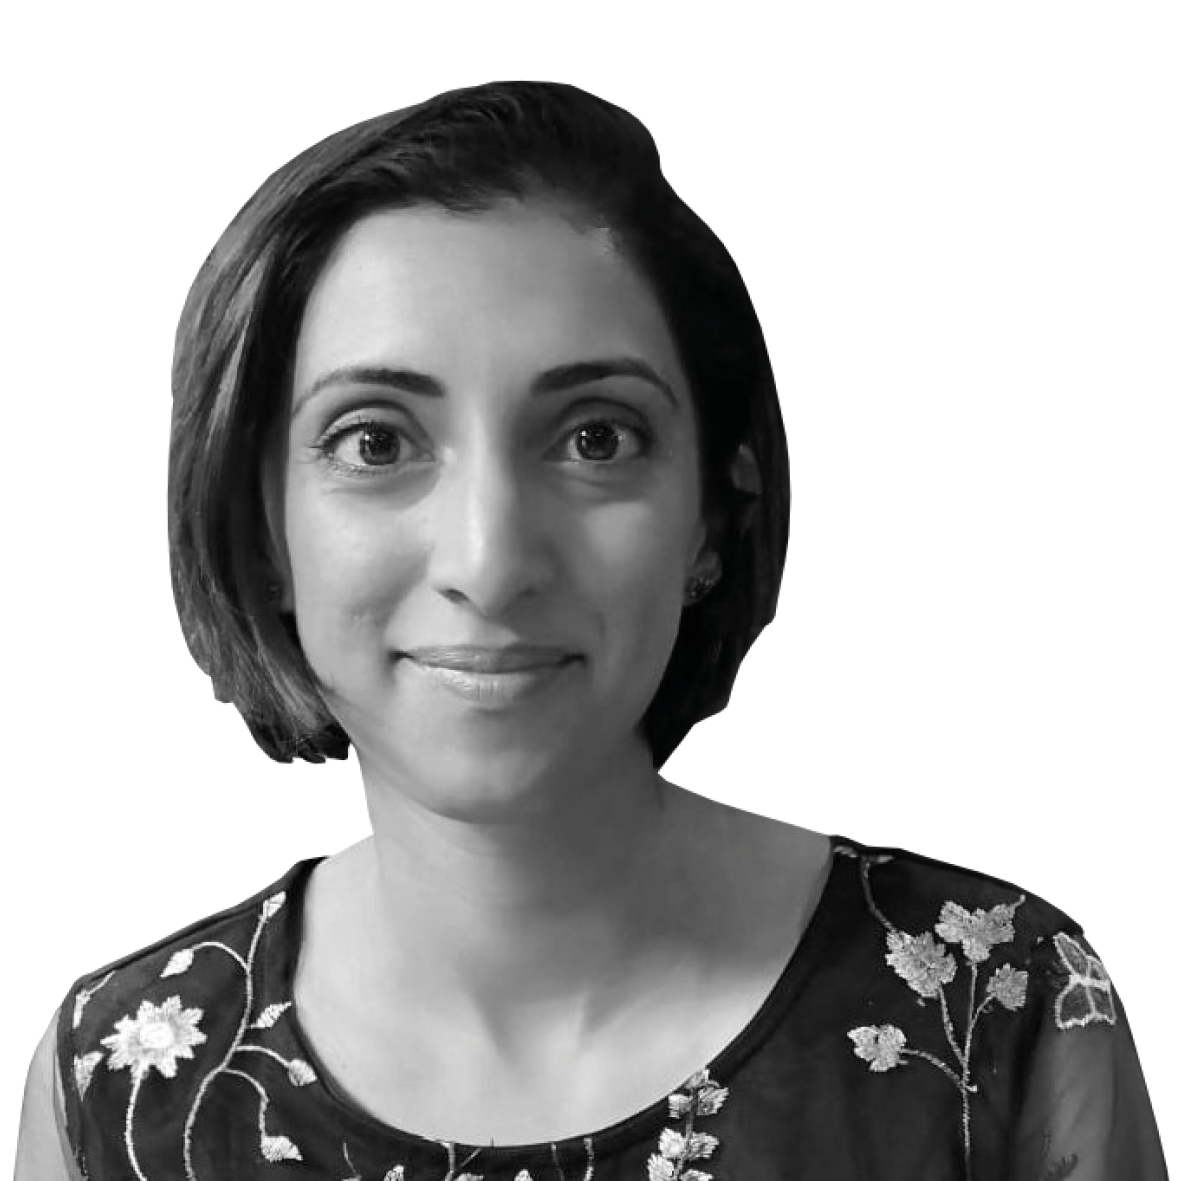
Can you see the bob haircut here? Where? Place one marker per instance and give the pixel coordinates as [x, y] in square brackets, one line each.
[465, 150]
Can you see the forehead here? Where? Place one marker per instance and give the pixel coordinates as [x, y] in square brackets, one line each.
[511, 290]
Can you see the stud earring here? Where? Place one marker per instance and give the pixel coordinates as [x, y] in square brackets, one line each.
[697, 588]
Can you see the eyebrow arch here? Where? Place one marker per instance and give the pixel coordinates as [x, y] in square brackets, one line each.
[561, 377]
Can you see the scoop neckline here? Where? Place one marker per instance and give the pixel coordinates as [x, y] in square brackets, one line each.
[645, 1123]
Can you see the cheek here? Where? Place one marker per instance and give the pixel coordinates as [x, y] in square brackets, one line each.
[632, 562]
[343, 569]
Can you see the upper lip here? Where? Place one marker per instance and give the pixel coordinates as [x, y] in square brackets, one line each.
[507, 658]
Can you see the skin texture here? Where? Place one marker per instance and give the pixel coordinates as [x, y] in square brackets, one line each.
[494, 528]
[533, 887]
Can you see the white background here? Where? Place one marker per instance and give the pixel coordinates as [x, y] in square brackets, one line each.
[960, 226]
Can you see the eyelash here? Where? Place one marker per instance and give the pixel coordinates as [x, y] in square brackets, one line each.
[332, 438]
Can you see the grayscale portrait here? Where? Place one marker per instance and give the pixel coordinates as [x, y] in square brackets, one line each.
[478, 478]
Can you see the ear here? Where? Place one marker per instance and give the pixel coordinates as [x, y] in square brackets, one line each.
[744, 472]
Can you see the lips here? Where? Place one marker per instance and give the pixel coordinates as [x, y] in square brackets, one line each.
[472, 658]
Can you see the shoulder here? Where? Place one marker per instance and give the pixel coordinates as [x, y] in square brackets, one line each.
[921, 890]
[121, 979]
[936, 919]
[147, 1012]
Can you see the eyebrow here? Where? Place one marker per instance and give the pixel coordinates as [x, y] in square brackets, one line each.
[561, 377]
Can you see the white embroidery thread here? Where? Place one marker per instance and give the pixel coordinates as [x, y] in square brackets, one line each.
[928, 968]
[1087, 996]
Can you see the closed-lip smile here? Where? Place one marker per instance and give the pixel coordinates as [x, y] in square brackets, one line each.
[472, 658]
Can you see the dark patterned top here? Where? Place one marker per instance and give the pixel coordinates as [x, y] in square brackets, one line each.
[933, 1024]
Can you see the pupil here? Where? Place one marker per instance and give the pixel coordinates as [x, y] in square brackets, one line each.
[597, 433]
[376, 444]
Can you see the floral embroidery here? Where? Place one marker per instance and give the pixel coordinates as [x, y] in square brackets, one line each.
[929, 968]
[880, 1045]
[270, 1015]
[277, 1148]
[1086, 996]
[179, 963]
[979, 932]
[83, 998]
[158, 1036]
[699, 1096]
[161, 1036]
[920, 961]
[1008, 987]
[84, 1065]
[397, 1173]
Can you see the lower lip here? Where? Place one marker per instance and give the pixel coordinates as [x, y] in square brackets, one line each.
[494, 690]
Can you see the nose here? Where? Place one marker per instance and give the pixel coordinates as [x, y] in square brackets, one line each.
[490, 541]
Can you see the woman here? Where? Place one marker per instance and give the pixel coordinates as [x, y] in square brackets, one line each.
[478, 467]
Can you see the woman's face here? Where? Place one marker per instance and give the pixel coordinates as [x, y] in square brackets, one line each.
[491, 441]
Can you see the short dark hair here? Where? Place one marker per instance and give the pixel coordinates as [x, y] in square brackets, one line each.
[464, 150]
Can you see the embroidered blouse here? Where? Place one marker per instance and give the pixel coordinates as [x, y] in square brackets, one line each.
[933, 1024]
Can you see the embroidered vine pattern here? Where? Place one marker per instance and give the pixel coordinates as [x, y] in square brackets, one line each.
[455, 1171]
[159, 1036]
[678, 1147]
[699, 1096]
[928, 967]
[397, 1173]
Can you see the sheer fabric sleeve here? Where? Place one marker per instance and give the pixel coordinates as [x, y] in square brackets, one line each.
[43, 1148]
[1085, 1113]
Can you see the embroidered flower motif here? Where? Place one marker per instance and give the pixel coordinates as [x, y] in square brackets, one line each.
[277, 1148]
[84, 1070]
[879, 1045]
[397, 1173]
[1087, 996]
[927, 967]
[300, 1073]
[977, 932]
[1008, 985]
[922, 962]
[157, 1036]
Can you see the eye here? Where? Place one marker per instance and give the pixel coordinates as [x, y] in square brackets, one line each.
[372, 447]
[363, 447]
[597, 440]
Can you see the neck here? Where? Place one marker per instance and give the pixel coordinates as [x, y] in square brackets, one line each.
[500, 913]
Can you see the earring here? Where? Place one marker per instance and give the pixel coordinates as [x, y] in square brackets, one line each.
[697, 588]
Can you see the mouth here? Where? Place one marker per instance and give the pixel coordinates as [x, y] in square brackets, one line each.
[490, 661]
[497, 689]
